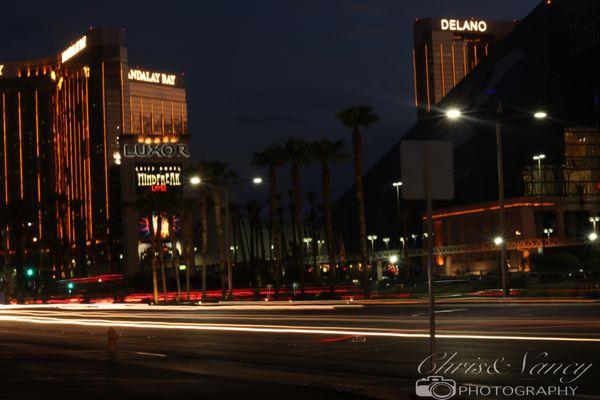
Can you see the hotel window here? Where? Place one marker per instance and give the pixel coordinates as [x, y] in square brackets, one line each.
[177, 117]
[146, 116]
[184, 118]
[157, 117]
[167, 117]
[136, 115]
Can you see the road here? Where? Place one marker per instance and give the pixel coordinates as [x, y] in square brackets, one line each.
[343, 351]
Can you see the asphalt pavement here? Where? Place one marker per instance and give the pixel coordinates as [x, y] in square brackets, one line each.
[314, 351]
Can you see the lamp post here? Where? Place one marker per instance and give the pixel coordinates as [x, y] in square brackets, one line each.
[386, 241]
[594, 220]
[454, 114]
[195, 181]
[539, 158]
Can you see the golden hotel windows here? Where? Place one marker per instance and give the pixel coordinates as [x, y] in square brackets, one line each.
[150, 116]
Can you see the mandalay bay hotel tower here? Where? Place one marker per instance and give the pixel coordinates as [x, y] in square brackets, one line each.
[84, 134]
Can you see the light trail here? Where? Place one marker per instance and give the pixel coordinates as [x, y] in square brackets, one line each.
[282, 329]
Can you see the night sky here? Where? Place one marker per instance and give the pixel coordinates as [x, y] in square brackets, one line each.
[258, 72]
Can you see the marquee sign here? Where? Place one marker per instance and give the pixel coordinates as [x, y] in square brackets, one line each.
[75, 48]
[160, 150]
[158, 177]
[457, 25]
[151, 77]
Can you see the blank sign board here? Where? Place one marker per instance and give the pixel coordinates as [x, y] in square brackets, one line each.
[415, 156]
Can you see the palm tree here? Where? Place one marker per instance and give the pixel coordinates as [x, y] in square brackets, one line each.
[355, 118]
[273, 157]
[328, 152]
[218, 175]
[297, 154]
[162, 205]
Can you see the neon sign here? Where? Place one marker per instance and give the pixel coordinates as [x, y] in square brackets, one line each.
[75, 48]
[457, 25]
[151, 77]
[158, 178]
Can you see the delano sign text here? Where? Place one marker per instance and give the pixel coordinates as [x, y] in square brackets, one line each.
[464, 25]
[160, 150]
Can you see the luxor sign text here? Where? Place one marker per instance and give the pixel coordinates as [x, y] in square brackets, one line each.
[465, 25]
[160, 150]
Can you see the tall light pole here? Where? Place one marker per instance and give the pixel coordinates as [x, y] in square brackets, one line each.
[196, 180]
[539, 158]
[454, 114]
[499, 112]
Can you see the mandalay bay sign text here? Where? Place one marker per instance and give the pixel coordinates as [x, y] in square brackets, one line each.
[151, 77]
[159, 150]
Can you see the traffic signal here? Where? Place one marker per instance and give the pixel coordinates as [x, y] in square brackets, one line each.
[30, 272]
[70, 286]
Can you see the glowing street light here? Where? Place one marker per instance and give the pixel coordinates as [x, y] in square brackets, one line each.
[453, 113]
[195, 180]
[548, 231]
[593, 236]
[386, 240]
[393, 259]
[540, 115]
[257, 180]
[538, 157]
[498, 240]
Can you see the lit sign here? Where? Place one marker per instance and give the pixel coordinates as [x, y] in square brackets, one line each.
[74, 49]
[1, 69]
[464, 25]
[158, 177]
[151, 77]
[160, 150]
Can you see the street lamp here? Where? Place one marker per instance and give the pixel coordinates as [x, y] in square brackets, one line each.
[393, 259]
[539, 158]
[257, 180]
[594, 220]
[548, 231]
[593, 236]
[498, 240]
[195, 180]
[386, 240]
[453, 113]
[372, 239]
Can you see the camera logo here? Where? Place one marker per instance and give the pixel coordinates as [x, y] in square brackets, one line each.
[435, 387]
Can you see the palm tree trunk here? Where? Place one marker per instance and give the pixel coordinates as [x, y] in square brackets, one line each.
[275, 229]
[163, 275]
[154, 274]
[360, 204]
[220, 239]
[174, 263]
[202, 206]
[327, 209]
[299, 224]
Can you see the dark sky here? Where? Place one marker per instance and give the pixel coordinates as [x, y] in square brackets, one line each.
[261, 71]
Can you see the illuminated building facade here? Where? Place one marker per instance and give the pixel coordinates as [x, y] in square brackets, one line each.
[63, 120]
[446, 50]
